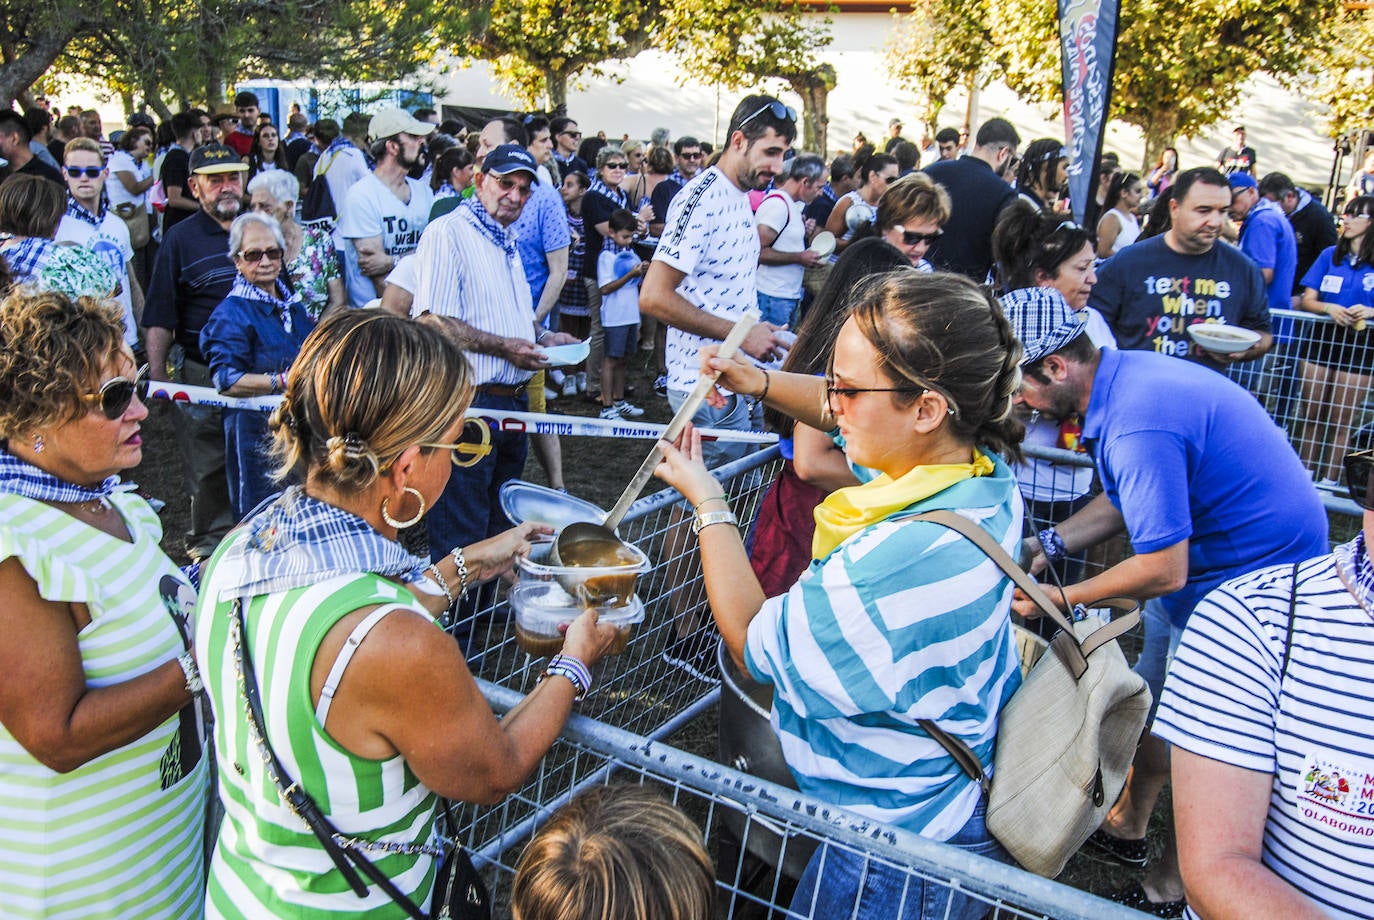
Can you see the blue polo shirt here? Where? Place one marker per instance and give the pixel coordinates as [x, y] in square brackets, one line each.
[1186, 455]
[1267, 238]
[541, 228]
[192, 274]
[1346, 283]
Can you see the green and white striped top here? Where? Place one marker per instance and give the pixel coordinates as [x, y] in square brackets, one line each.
[267, 863]
[120, 836]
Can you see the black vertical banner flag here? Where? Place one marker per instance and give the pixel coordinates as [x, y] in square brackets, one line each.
[1087, 49]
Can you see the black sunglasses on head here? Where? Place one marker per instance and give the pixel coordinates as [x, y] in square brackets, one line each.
[780, 112]
[117, 393]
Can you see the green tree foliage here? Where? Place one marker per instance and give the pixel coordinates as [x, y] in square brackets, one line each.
[1180, 64]
[538, 47]
[937, 46]
[739, 43]
[33, 33]
[1341, 75]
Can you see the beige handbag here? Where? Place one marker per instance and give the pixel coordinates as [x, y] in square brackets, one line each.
[1067, 737]
[135, 217]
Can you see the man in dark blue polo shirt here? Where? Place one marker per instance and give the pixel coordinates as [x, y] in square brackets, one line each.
[977, 194]
[193, 273]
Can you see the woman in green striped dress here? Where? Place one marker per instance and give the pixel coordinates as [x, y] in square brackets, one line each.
[103, 781]
[372, 729]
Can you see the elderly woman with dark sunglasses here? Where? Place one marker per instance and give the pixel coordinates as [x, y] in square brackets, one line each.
[910, 214]
[249, 342]
[102, 779]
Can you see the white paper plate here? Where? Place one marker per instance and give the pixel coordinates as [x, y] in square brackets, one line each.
[1222, 338]
[823, 243]
[563, 355]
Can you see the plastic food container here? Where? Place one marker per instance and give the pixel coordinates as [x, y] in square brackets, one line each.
[607, 585]
[542, 606]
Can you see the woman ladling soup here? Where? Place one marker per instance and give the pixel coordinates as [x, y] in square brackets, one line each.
[872, 638]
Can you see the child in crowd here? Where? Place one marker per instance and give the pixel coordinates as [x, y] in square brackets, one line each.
[616, 851]
[618, 271]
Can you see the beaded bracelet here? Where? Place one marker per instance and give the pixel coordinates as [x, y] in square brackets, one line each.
[461, 564]
[574, 670]
[433, 569]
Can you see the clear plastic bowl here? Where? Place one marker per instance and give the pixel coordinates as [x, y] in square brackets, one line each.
[542, 606]
[608, 585]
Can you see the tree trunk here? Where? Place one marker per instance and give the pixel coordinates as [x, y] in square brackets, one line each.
[21, 72]
[814, 89]
[556, 88]
[1159, 133]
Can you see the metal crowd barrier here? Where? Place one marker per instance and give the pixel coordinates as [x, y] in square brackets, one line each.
[590, 753]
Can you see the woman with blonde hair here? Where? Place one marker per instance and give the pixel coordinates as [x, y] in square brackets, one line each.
[616, 852]
[870, 640]
[103, 779]
[316, 617]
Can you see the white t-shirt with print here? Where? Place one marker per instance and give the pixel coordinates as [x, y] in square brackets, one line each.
[123, 161]
[110, 241]
[709, 235]
[372, 209]
[782, 213]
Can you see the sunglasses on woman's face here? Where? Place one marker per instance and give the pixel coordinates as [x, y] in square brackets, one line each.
[912, 238]
[117, 393]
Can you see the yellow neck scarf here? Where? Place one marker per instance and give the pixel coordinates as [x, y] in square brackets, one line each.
[845, 512]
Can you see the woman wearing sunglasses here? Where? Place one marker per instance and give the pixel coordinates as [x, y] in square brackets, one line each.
[368, 705]
[249, 342]
[874, 636]
[102, 780]
[910, 214]
[1338, 366]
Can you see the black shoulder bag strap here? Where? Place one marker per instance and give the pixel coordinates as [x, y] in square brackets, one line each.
[1292, 615]
[298, 800]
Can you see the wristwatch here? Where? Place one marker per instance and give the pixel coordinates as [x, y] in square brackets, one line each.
[707, 518]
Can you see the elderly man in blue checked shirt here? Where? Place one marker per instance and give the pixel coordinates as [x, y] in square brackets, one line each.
[472, 283]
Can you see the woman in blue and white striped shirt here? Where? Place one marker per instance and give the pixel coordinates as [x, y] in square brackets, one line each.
[895, 620]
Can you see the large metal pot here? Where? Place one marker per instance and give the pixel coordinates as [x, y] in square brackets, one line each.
[749, 744]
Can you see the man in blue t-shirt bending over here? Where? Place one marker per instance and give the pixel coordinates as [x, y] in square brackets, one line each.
[1204, 483]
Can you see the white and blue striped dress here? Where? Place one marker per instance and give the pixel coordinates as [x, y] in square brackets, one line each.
[904, 621]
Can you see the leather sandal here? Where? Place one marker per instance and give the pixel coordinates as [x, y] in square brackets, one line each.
[1135, 897]
[1131, 852]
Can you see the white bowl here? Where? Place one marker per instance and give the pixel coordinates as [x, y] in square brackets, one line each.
[1222, 338]
[823, 243]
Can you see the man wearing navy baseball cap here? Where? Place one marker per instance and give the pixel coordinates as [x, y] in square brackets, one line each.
[469, 273]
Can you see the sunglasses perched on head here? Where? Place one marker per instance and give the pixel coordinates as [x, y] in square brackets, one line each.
[780, 112]
[117, 393]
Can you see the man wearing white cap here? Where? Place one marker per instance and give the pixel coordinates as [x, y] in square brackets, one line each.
[384, 214]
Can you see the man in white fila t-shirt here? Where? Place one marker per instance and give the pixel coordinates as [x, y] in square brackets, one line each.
[703, 274]
[701, 280]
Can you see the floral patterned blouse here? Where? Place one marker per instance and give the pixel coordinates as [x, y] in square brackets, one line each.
[313, 268]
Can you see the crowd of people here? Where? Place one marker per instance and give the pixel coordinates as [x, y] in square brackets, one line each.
[920, 325]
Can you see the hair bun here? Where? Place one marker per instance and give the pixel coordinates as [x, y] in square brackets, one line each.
[346, 451]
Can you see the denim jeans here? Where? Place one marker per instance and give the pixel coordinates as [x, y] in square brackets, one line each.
[847, 888]
[1157, 652]
[780, 311]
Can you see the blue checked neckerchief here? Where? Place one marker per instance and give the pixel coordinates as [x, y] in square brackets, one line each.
[75, 209]
[615, 194]
[677, 176]
[295, 540]
[501, 236]
[18, 477]
[1352, 562]
[25, 256]
[281, 303]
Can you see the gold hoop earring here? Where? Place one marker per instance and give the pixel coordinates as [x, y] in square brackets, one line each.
[402, 525]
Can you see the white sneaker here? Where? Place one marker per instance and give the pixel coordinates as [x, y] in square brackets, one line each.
[570, 385]
[627, 410]
[551, 394]
[581, 381]
[611, 413]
